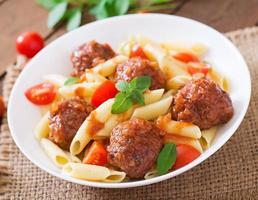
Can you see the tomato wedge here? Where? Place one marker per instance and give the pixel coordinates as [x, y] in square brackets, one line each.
[196, 67]
[96, 154]
[137, 51]
[41, 94]
[105, 91]
[185, 154]
[186, 57]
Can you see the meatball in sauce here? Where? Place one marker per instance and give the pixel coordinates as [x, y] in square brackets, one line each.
[89, 55]
[134, 146]
[65, 119]
[202, 102]
[140, 67]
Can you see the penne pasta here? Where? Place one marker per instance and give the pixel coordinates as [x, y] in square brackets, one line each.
[92, 77]
[151, 174]
[79, 89]
[207, 137]
[220, 80]
[42, 128]
[115, 177]
[178, 82]
[107, 68]
[72, 158]
[93, 172]
[179, 128]
[56, 79]
[170, 138]
[153, 110]
[55, 153]
[170, 66]
[152, 96]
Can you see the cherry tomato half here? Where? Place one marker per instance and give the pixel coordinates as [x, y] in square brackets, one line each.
[29, 44]
[41, 94]
[186, 57]
[105, 91]
[196, 67]
[184, 155]
[137, 51]
[96, 154]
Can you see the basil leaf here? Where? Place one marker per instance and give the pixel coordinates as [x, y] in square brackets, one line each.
[122, 6]
[161, 1]
[71, 81]
[48, 4]
[166, 158]
[74, 19]
[122, 86]
[138, 97]
[141, 83]
[100, 11]
[122, 103]
[56, 14]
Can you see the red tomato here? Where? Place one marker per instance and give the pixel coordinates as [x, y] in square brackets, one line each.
[186, 57]
[29, 44]
[196, 67]
[105, 91]
[96, 154]
[41, 94]
[137, 51]
[185, 154]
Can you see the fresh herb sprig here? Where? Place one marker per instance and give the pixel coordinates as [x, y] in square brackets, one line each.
[130, 93]
[71, 81]
[72, 11]
[166, 158]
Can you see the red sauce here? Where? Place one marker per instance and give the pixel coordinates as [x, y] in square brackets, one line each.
[94, 125]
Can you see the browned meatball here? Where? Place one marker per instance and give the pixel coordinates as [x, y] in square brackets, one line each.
[134, 146]
[203, 103]
[140, 67]
[66, 119]
[89, 55]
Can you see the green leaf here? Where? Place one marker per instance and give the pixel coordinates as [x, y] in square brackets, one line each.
[122, 103]
[74, 20]
[166, 158]
[138, 97]
[160, 1]
[122, 86]
[71, 81]
[48, 4]
[100, 10]
[56, 14]
[121, 6]
[141, 83]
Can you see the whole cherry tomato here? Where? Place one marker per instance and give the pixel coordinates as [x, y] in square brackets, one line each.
[29, 44]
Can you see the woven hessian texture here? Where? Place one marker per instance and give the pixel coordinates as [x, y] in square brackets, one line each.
[231, 173]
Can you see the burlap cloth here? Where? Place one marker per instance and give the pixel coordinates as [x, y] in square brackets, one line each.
[231, 173]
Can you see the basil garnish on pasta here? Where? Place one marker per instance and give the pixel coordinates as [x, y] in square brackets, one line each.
[71, 81]
[130, 93]
[166, 158]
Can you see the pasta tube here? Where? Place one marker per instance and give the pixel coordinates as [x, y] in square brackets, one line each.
[170, 138]
[153, 110]
[93, 172]
[42, 128]
[107, 68]
[152, 96]
[55, 153]
[178, 81]
[207, 137]
[56, 79]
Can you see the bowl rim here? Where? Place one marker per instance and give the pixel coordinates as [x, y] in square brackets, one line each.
[189, 166]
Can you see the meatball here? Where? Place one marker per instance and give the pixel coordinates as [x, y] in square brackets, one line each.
[65, 119]
[140, 67]
[89, 55]
[134, 146]
[202, 102]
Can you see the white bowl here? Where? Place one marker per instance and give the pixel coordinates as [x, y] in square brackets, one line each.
[55, 58]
